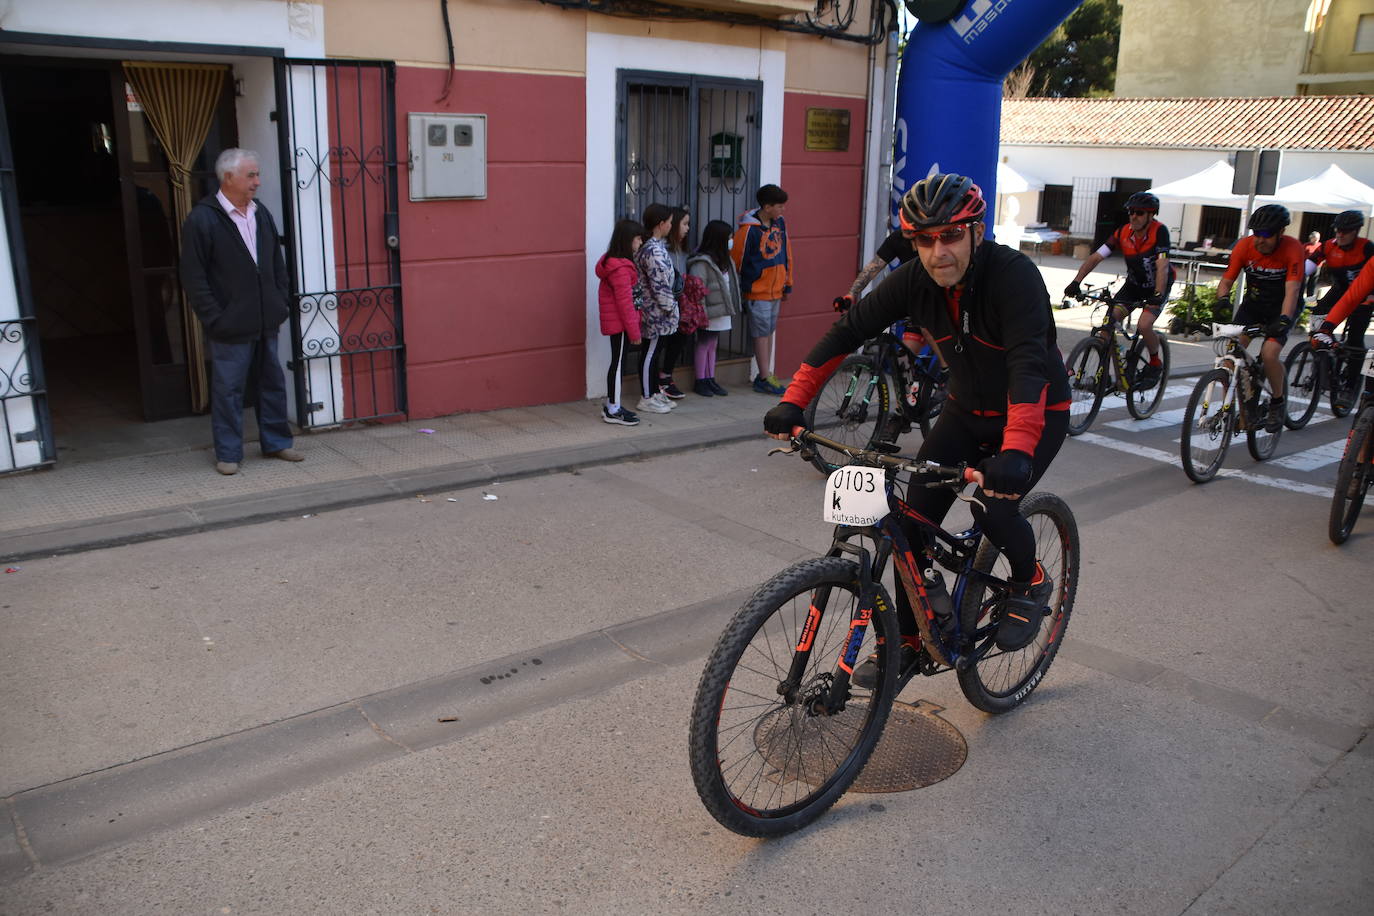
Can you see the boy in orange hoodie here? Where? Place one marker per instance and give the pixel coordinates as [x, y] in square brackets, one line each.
[763, 256]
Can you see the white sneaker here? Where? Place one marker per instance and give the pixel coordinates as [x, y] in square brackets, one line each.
[664, 400]
[649, 405]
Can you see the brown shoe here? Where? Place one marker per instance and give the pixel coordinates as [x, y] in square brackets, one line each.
[227, 467]
[286, 454]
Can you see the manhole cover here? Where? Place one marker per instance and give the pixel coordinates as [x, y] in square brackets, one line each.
[918, 748]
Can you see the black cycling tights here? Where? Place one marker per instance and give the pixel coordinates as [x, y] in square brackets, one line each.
[960, 437]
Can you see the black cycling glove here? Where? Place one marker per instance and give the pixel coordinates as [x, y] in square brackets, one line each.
[1279, 326]
[783, 418]
[842, 303]
[1073, 290]
[1154, 299]
[1007, 472]
[1223, 304]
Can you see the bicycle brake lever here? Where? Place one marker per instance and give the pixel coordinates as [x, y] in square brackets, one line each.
[971, 499]
[780, 450]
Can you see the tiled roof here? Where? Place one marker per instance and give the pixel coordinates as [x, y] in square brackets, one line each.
[1311, 122]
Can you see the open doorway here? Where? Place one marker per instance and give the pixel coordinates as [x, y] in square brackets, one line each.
[95, 205]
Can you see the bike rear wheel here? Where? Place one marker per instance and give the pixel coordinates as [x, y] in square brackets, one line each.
[1344, 391]
[1303, 377]
[1207, 426]
[764, 761]
[1141, 402]
[1088, 378]
[1353, 478]
[850, 408]
[1000, 681]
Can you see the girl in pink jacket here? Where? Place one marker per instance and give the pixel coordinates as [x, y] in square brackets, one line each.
[619, 317]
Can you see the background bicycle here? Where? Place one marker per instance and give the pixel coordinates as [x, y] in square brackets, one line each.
[875, 396]
[1311, 372]
[779, 729]
[1232, 396]
[1113, 359]
[1355, 473]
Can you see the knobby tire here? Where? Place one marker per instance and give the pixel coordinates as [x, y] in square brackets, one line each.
[1353, 478]
[1089, 375]
[1302, 372]
[1140, 403]
[764, 763]
[856, 419]
[1207, 427]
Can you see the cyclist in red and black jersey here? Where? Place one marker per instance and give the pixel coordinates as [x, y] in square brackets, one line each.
[985, 307]
[1274, 269]
[1144, 243]
[1345, 256]
[1355, 297]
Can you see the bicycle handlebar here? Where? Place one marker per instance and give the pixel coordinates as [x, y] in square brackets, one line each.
[948, 475]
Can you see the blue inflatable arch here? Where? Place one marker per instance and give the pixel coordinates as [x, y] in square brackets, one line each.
[949, 92]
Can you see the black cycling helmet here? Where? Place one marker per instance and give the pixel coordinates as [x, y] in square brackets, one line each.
[942, 199]
[1347, 220]
[1143, 200]
[1271, 217]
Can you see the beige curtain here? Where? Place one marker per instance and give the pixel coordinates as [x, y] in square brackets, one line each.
[179, 101]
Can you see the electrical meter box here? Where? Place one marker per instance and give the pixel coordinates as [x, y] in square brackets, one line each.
[448, 156]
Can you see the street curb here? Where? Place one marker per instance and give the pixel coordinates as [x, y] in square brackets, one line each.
[192, 518]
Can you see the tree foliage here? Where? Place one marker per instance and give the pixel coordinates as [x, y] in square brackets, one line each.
[1078, 60]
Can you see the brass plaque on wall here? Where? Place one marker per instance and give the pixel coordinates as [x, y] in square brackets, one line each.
[827, 129]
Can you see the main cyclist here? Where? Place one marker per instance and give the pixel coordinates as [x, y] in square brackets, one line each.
[986, 309]
[1274, 270]
[1144, 243]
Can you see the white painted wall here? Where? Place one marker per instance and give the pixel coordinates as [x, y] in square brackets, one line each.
[608, 53]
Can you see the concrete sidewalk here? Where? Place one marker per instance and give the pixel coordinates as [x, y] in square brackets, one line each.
[125, 498]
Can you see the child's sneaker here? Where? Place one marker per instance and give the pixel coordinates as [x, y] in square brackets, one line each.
[620, 416]
[669, 390]
[649, 405]
[662, 400]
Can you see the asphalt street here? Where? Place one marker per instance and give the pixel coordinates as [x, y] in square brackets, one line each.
[459, 703]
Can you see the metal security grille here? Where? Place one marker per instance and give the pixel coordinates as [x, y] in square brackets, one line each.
[25, 421]
[689, 141]
[339, 179]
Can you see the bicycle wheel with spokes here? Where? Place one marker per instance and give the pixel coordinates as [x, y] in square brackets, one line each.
[1001, 681]
[850, 409]
[1143, 399]
[766, 758]
[1088, 378]
[1353, 477]
[1344, 381]
[1258, 439]
[1303, 376]
[1208, 422]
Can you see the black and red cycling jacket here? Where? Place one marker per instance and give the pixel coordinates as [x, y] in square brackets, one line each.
[1344, 264]
[1361, 289]
[996, 335]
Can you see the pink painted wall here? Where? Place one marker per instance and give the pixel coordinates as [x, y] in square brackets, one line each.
[824, 210]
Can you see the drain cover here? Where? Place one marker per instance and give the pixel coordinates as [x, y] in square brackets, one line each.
[918, 748]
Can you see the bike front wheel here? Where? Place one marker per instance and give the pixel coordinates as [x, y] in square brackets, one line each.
[1353, 477]
[766, 758]
[1000, 681]
[1258, 439]
[1143, 400]
[1345, 381]
[930, 400]
[1208, 423]
[1088, 377]
[1302, 374]
[850, 408]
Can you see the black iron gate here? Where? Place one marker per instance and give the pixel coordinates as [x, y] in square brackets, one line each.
[339, 162]
[24, 419]
[689, 141]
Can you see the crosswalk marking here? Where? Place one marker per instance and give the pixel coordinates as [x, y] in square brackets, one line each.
[1314, 458]
[1154, 454]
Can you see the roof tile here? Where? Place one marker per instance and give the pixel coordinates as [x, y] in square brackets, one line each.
[1312, 122]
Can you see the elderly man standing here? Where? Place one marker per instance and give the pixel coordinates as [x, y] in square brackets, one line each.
[235, 277]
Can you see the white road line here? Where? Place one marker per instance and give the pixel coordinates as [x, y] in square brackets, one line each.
[1163, 457]
[1313, 458]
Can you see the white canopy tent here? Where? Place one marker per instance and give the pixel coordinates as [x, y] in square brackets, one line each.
[1209, 187]
[1010, 181]
[1333, 189]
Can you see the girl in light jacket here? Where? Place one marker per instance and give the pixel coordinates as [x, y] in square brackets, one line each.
[619, 318]
[712, 265]
[659, 317]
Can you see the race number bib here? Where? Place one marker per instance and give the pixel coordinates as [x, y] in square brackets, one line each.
[855, 496]
[1368, 368]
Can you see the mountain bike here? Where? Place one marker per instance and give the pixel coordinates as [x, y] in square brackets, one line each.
[1230, 397]
[1355, 473]
[1112, 360]
[855, 404]
[779, 730]
[1309, 372]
